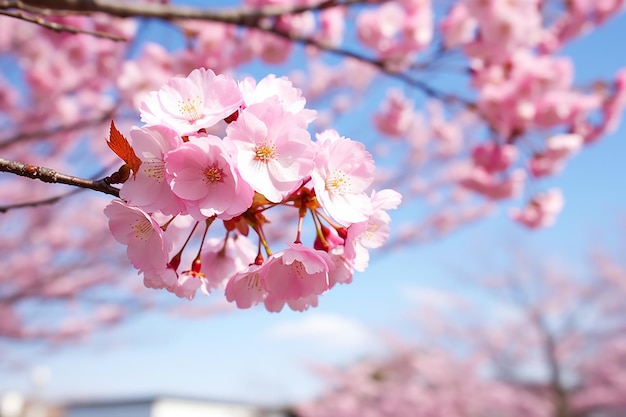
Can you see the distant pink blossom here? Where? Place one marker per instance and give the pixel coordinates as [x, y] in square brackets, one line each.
[490, 186]
[558, 149]
[188, 104]
[395, 116]
[494, 157]
[541, 211]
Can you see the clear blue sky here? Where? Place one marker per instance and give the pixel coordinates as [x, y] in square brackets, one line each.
[253, 355]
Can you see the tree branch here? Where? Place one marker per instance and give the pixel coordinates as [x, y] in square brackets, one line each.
[81, 124]
[164, 11]
[58, 27]
[51, 176]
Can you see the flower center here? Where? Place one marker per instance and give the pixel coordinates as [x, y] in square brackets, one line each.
[191, 108]
[154, 169]
[265, 152]
[254, 282]
[298, 270]
[338, 182]
[143, 229]
[214, 174]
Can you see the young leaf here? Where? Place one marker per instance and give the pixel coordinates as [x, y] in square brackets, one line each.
[119, 144]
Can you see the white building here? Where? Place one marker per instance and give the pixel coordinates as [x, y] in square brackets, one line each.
[169, 406]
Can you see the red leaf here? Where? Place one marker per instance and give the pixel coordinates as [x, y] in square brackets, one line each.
[119, 144]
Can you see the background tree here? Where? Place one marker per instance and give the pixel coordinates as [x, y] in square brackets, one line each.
[536, 339]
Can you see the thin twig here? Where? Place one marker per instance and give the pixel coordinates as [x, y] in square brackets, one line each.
[49, 200]
[42, 202]
[81, 124]
[51, 176]
[59, 27]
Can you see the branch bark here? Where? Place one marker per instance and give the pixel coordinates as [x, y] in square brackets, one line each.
[51, 176]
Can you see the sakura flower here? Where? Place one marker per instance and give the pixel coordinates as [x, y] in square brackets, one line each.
[165, 278]
[297, 272]
[148, 248]
[396, 115]
[301, 304]
[541, 211]
[148, 189]
[187, 285]
[368, 234]
[223, 259]
[201, 173]
[489, 185]
[558, 149]
[344, 267]
[188, 104]
[343, 171]
[273, 152]
[494, 157]
[246, 287]
[289, 97]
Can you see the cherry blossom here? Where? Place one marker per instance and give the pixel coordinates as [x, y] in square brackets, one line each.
[541, 211]
[273, 152]
[343, 171]
[189, 104]
[201, 173]
[148, 246]
[149, 188]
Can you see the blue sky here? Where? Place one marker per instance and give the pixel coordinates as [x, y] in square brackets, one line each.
[252, 355]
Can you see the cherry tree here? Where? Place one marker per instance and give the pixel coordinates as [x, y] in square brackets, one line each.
[537, 339]
[205, 174]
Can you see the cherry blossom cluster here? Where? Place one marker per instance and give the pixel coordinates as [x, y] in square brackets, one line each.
[186, 179]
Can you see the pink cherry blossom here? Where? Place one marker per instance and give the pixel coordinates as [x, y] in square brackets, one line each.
[187, 284]
[159, 279]
[541, 211]
[297, 272]
[489, 185]
[343, 171]
[289, 97]
[273, 152]
[396, 115]
[148, 247]
[222, 260]
[301, 304]
[494, 157]
[189, 104]
[202, 174]
[246, 288]
[558, 149]
[148, 189]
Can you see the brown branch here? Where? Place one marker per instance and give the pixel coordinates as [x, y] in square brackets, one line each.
[81, 124]
[58, 27]
[51, 176]
[42, 202]
[164, 11]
